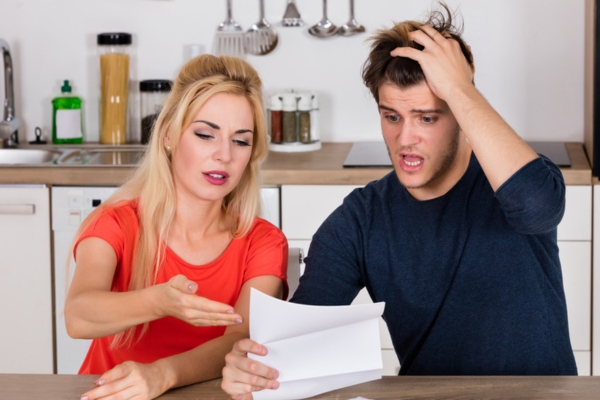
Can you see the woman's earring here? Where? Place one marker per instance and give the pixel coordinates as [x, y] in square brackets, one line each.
[168, 149]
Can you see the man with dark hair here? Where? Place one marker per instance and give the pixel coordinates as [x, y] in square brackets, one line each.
[459, 240]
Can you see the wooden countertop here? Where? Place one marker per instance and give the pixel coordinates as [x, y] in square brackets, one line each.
[55, 387]
[322, 167]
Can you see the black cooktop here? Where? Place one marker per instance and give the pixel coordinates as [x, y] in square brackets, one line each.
[374, 154]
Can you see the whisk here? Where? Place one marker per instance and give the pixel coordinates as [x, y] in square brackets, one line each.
[229, 37]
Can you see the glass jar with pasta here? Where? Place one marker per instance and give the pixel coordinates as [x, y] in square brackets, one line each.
[115, 52]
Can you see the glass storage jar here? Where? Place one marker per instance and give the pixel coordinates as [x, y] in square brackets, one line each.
[114, 52]
[153, 96]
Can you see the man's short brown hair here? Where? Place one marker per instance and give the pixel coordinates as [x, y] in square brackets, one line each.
[404, 72]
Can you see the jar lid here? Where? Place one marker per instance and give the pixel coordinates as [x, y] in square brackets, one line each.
[115, 38]
[276, 103]
[305, 103]
[290, 101]
[156, 85]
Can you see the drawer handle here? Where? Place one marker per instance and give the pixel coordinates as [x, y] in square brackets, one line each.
[17, 209]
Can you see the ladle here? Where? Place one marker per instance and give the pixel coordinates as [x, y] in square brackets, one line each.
[324, 28]
[351, 27]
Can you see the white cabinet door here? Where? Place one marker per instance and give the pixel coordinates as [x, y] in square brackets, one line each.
[305, 207]
[25, 287]
[576, 260]
[583, 360]
[575, 247]
[576, 263]
[577, 221]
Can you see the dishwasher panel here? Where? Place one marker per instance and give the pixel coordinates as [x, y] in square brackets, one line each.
[70, 206]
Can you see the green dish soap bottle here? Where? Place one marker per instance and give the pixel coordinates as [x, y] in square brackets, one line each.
[66, 117]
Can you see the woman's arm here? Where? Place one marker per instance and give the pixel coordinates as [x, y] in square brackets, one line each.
[202, 363]
[92, 310]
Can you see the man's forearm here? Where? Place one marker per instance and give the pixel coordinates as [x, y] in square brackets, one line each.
[499, 150]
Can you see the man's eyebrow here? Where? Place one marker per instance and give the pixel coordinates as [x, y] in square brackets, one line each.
[217, 127]
[386, 108]
[428, 111]
[414, 111]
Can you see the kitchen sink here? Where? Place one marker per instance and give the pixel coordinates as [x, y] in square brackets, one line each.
[28, 156]
[101, 157]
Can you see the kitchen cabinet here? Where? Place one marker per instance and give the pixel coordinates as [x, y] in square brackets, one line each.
[305, 207]
[26, 330]
[596, 283]
[575, 251]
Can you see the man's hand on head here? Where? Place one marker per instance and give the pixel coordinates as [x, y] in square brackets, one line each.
[445, 67]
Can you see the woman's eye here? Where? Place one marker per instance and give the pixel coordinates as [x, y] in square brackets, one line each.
[203, 135]
[242, 143]
[393, 118]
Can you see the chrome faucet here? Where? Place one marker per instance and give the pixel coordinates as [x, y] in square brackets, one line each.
[9, 125]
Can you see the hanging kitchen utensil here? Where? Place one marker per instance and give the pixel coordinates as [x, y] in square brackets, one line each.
[324, 28]
[229, 37]
[261, 38]
[291, 17]
[351, 27]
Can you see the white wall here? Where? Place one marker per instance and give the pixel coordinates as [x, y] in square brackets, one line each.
[529, 55]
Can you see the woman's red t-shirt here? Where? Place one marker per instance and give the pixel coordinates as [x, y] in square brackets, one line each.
[262, 251]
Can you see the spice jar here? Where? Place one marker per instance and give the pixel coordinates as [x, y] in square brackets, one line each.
[304, 107]
[276, 119]
[289, 117]
[114, 51]
[315, 119]
[153, 96]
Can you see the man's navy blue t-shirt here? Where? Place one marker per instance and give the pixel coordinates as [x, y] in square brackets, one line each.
[471, 280]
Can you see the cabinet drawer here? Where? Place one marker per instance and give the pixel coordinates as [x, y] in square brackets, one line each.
[305, 207]
[577, 221]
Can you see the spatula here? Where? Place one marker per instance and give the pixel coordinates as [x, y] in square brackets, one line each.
[229, 37]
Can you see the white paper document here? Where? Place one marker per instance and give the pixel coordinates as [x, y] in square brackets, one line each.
[315, 348]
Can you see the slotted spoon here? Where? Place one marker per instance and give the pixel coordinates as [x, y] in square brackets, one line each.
[261, 38]
[229, 38]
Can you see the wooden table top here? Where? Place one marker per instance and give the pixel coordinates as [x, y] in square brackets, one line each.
[321, 167]
[55, 387]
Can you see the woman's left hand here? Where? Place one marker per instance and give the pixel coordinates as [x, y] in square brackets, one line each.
[130, 380]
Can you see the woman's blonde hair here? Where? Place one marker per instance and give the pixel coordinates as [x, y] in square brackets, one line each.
[152, 182]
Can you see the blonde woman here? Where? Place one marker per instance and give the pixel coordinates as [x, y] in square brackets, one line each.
[164, 267]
